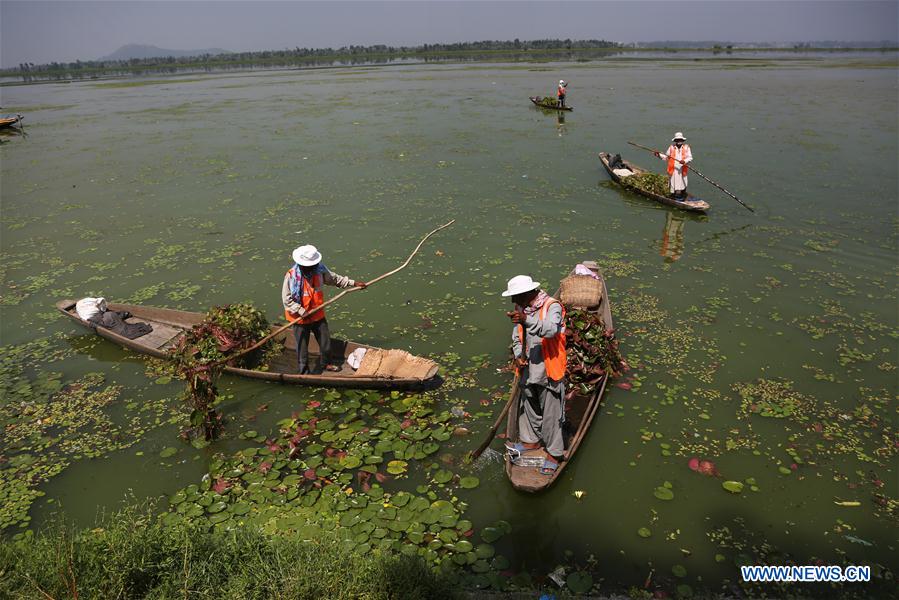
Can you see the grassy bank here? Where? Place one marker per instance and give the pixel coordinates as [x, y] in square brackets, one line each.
[131, 555]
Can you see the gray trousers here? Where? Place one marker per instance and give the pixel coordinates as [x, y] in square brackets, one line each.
[322, 335]
[542, 417]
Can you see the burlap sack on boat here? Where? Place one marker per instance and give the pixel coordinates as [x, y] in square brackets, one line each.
[396, 364]
[581, 291]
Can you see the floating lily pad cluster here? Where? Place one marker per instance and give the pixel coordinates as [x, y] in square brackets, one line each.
[331, 466]
[592, 351]
[50, 422]
[50, 425]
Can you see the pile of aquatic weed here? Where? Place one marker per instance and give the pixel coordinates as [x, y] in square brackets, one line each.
[201, 354]
[650, 182]
[131, 554]
[592, 351]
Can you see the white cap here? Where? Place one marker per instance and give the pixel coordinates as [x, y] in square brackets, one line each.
[520, 284]
[678, 136]
[561, 82]
[307, 256]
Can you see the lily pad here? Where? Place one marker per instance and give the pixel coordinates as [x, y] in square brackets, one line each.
[644, 532]
[167, 452]
[463, 546]
[397, 467]
[491, 534]
[734, 487]
[469, 482]
[443, 476]
[679, 571]
[484, 551]
[579, 582]
[663, 493]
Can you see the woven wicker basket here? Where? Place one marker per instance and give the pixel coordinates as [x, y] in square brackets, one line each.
[581, 291]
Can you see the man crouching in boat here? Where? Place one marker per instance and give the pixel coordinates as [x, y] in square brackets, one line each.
[678, 155]
[538, 344]
[301, 293]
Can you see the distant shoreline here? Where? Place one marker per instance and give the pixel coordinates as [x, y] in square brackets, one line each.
[345, 60]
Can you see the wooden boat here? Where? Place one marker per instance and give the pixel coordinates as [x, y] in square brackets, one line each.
[539, 102]
[9, 120]
[691, 203]
[394, 369]
[579, 413]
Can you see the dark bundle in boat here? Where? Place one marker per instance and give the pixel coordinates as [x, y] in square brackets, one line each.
[200, 355]
[592, 351]
[650, 182]
[549, 101]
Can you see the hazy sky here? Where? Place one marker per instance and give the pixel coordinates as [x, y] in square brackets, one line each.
[42, 31]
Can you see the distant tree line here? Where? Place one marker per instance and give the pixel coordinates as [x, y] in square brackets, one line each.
[299, 54]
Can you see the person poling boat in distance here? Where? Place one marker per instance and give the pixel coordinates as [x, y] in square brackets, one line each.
[561, 91]
[301, 293]
[538, 344]
[677, 155]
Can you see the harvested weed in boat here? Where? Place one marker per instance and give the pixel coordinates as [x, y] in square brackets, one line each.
[592, 351]
[200, 355]
[549, 101]
[650, 182]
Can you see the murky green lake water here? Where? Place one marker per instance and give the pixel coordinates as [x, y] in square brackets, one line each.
[764, 342]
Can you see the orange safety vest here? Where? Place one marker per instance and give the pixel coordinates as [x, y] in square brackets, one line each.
[672, 155]
[312, 297]
[555, 357]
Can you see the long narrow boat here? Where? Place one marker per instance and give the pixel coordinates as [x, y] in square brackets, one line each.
[539, 103]
[579, 413]
[394, 369]
[691, 203]
[9, 120]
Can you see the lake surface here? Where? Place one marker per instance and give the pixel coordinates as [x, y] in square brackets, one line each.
[765, 343]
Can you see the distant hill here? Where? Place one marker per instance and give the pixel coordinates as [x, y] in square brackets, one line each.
[130, 51]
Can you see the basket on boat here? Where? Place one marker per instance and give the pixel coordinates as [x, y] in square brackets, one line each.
[395, 364]
[581, 291]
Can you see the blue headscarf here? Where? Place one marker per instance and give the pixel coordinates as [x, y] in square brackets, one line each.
[296, 279]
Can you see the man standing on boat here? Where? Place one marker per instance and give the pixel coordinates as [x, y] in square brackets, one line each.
[301, 293]
[538, 344]
[560, 93]
[678, 155]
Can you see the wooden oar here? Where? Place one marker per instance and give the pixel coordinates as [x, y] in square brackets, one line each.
[695, 170]
[332, 300]
[492, 433]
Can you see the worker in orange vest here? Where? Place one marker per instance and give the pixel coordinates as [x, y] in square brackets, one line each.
[677, 155]
[301, 293]
[560, 93]
[538, 344]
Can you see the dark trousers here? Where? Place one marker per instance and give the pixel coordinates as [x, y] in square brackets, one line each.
[562, 100]
[322, 335]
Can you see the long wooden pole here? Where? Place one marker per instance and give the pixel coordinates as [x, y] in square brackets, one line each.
[492, 433]
[332, 300]
[695, 170]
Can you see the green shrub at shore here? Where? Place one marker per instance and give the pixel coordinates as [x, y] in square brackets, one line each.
[131, 555]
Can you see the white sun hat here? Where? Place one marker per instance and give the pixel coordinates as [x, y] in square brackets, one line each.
[678, 136]
[562, 82]
[520, 284]
[307, 256]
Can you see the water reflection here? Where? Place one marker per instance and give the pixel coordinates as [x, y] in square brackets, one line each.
[560, 123]
[672, 246]
[7, 133]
